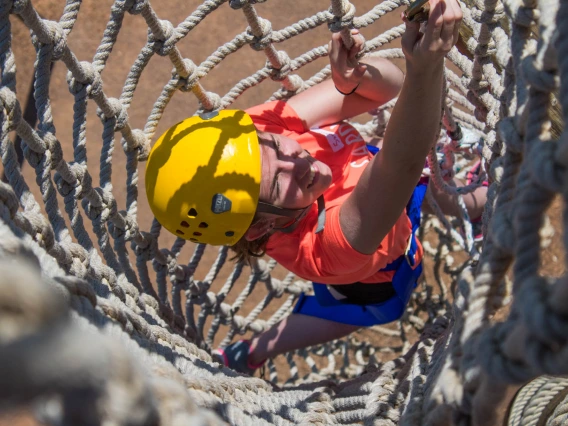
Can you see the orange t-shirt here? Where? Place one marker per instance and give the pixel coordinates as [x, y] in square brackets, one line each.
[327, 257]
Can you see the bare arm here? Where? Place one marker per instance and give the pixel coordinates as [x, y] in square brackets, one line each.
[387, 183]
[378, 80]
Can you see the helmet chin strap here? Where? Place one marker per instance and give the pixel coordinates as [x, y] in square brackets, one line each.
[321, 214]
[296, 214]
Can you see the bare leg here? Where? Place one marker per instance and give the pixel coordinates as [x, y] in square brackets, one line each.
[295, 332]
[474, 201]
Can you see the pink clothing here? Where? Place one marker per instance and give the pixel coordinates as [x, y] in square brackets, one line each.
[327, 257]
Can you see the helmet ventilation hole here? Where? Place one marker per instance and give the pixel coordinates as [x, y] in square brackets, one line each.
[193, 240]
[229, 233]
[179, 232]
[184, 224]
[192, 213]
[203, 225]
[197, 234]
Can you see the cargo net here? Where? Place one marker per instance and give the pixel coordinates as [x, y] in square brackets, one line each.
[101, 322]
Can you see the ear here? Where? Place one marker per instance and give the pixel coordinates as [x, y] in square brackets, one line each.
[259, 229]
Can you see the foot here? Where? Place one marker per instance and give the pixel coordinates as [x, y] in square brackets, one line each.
[236, 357]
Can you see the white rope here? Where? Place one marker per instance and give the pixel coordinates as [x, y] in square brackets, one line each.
[139, 341]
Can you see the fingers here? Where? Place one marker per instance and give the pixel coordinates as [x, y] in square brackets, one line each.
[358, 42]
[337, 53]
[443, 25]
[359, 71]
[459, 16]
[411, 35]
[435, 22]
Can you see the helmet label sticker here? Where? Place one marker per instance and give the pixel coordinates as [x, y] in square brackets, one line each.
[220, 204]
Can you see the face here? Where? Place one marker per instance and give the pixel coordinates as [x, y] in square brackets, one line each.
[291, 177]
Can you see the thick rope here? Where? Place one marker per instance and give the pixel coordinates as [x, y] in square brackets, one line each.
[140, 339]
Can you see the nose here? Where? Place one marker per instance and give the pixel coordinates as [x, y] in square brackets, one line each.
[297, 167]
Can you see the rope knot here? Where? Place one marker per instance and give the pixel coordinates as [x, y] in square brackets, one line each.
[41, 230]
[240, 324]
[145, 245]
[165, 46]
[33, 157]
[58, 39]
[239, 4]
[9, 199]
[118, 112]
[187, 83]
[54, 147]
[197, 287]
[279, 74]
[19, 6]
[139, 142]
[84, 181]
[344, 21]
[214, 101]
[89, 76]
[135, 7]
[123, 226]
[105, 210]
[12, 107]
[275, 286]
[262, 41]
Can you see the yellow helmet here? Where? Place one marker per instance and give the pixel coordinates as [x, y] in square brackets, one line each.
[203, 177]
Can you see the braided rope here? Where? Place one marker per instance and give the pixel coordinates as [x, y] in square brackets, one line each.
[140, 337]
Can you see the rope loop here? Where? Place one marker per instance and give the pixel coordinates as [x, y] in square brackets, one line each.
[84, 181]
[163, 47]
[11, 106]
[279, 74]
[135, 7]
[263, 40]
[338, 23]
[131, 227]
[58, 39]
[41, 230]
[54, 148]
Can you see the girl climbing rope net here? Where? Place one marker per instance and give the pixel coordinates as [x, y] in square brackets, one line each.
[251, 179]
